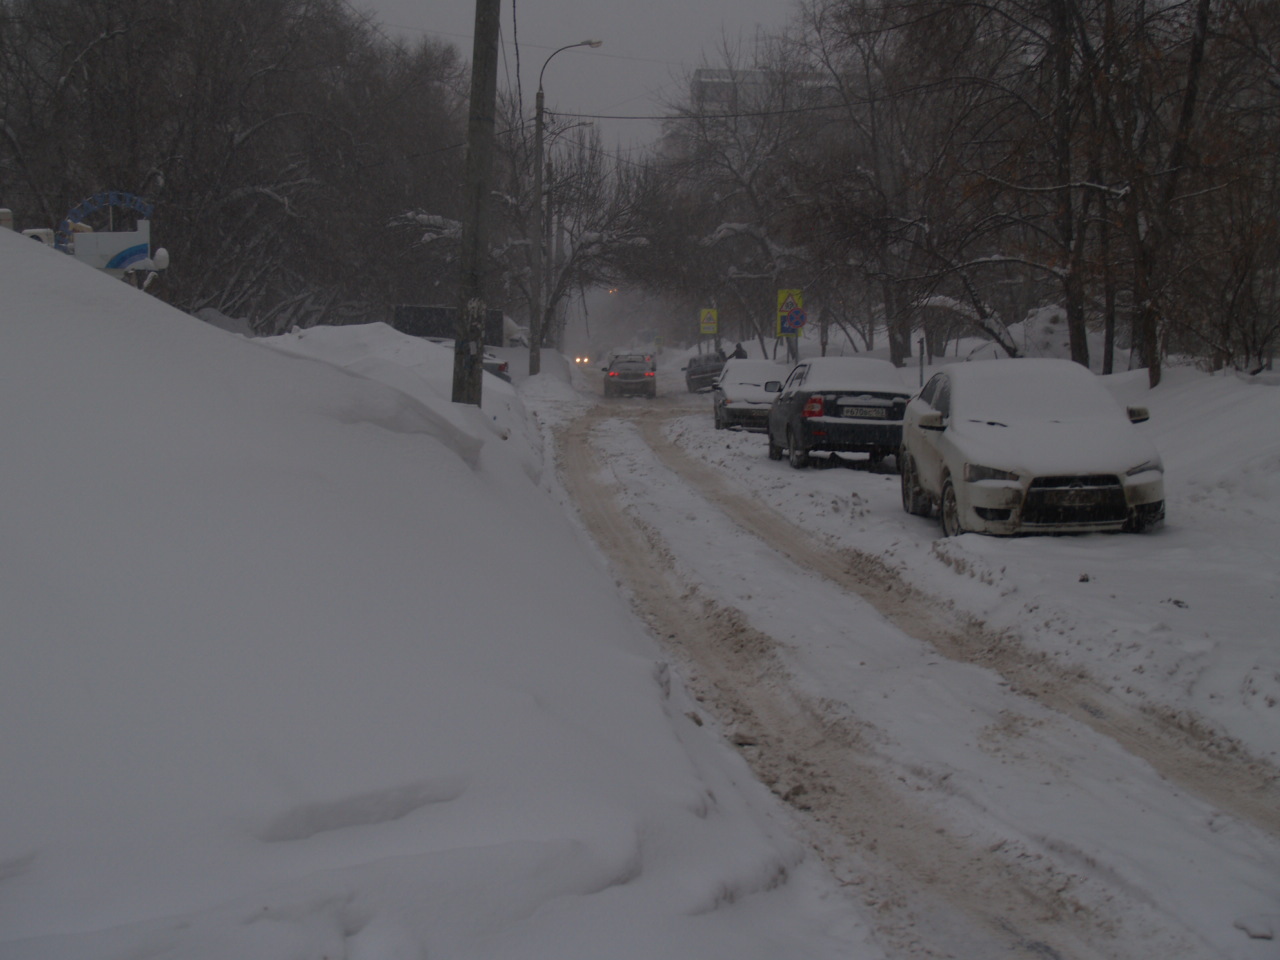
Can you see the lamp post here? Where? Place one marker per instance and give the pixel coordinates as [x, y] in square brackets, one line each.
[535, 321]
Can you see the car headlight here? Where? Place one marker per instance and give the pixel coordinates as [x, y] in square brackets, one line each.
[973, 473]
[1143, 467]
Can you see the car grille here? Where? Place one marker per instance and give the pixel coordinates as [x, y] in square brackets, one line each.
[1067, 500]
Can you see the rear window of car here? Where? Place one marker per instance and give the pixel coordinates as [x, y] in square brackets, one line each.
[843, 374]
[752, 371]
[631, 366]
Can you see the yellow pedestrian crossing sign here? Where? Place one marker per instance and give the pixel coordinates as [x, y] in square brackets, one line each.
[791, 315]
[708, 323]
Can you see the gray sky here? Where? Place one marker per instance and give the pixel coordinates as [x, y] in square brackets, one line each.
[649, 46]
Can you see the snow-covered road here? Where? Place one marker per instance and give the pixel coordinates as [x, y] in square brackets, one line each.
[980, 796]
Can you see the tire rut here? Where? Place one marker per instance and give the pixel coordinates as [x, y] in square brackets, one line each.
[882, 843]
[1183, 753]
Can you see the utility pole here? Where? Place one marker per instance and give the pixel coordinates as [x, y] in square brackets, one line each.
[468, 348]
[535, 266]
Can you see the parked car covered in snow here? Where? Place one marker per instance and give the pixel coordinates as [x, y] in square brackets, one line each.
[838, 405]
[1028, 446]
[739, 398]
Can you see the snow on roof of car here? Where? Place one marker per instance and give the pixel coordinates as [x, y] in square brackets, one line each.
[844, 373]
[740, 371]
[1029, 388]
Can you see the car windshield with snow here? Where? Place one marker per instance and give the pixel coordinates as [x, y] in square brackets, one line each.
[838, 405]
[1028, 445]
[739, 399]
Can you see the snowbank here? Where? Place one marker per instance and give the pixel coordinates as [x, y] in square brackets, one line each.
[300, 663]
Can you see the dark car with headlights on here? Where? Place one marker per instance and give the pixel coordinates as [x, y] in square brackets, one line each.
[1028, 446]
[739, 400]
[838, 405]
[631, 375]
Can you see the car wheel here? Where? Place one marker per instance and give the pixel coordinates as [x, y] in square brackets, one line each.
[775, 451]
[1144, 520]
[914, 500]
[949, 512]
[797, 457]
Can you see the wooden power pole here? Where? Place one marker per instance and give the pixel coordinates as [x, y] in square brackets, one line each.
[468, 351]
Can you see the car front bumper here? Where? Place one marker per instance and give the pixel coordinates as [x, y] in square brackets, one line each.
[1061, 505]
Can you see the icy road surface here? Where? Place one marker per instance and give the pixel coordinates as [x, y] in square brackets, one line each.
[985, 798]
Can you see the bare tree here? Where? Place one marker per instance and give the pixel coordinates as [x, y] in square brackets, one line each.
[275, 139]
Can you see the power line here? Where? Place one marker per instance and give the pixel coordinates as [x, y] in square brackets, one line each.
[789, 111]
[742, 115]
[543, 46]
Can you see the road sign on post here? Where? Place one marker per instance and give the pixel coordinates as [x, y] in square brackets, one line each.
[708, 323]
[791, 315]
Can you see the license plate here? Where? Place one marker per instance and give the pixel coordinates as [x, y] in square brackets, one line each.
[864, 412]
[1082, 497]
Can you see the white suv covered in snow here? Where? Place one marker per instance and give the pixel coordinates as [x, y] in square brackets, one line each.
[1027, 446]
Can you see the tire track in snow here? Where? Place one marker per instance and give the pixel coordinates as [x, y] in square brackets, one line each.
[1245, 787]
[928, 892]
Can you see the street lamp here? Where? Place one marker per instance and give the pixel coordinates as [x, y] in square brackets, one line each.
[535, 321]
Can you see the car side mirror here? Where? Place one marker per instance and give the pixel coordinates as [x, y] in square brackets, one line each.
[773, 386]
[931, 420]
[1139, 414]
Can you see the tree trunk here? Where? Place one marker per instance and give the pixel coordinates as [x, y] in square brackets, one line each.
[897, 324]
[1068, 237]
[1152, 243]
[1108, 293]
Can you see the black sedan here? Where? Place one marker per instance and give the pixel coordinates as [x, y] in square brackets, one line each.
[631, 375]
[838, 405]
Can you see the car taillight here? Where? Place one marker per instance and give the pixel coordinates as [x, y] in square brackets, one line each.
[815, 407]
[613, 373]
[649, 373]
[502, 367]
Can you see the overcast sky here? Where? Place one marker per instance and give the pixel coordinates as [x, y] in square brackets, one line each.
[649, 47]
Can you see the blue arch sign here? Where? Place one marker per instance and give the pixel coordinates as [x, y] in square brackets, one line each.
[99, 201]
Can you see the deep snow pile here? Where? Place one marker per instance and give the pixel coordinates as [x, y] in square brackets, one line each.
[298, 663]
